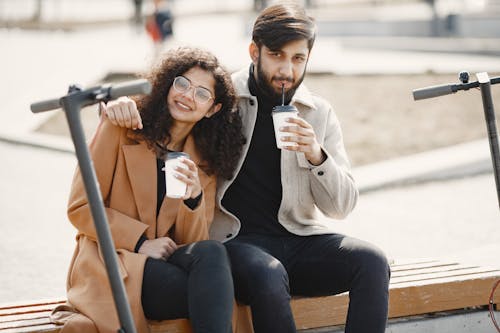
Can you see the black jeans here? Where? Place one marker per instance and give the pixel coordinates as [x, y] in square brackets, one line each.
[268, 269]
[195, 282]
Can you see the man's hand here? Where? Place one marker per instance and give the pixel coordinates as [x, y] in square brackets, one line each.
[302, 133]
[159, 248]
[123, 112]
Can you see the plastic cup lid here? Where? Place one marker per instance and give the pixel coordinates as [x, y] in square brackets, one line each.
[176, 154]
[284, 108]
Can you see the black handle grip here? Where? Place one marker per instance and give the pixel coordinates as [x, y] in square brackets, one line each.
[47, 105]
[137, 87]
[433, 91]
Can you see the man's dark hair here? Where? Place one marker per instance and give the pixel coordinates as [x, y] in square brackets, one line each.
[279, 24]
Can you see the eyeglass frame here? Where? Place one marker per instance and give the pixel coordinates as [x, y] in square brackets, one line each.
[191, 85]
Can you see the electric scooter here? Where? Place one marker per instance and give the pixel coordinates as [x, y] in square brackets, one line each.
[484, 84]
[72, 104]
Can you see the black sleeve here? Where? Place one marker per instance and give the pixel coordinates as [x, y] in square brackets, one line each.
[139, 243]
[192, 203]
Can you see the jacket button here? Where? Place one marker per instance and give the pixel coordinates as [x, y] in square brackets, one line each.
[251, 102]
[320, 173]
[229, 235]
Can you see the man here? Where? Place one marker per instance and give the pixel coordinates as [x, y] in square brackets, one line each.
[277, 245]
[268, 215]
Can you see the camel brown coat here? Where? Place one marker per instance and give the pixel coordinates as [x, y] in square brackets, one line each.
[127, 175]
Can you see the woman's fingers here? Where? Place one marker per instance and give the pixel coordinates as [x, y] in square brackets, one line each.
[133, 117]
[189, 175]
[159, 248]
[169, 247]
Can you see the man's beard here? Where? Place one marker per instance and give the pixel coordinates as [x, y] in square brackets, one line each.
[265, 85]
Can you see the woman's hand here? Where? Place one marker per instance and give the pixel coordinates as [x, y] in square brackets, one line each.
[189, 176]
[123, 112]
[159, 248]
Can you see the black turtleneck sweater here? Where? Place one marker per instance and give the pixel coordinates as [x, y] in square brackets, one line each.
[255, 195]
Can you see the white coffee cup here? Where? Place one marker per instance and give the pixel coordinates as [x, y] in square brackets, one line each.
[175, 188]
[280, 114]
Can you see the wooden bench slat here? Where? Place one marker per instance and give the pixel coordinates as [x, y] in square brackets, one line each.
[32, 322]
[22, 304]
[445, 278]
[171, 326]
[50, 328]
[7, 311]
[436, 265]
[412, 262]
[322, 312]
[24, 316]
[430, 270]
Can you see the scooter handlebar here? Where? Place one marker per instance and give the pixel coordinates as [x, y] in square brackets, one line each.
[433, 91]
[137, 87]
[47, 105]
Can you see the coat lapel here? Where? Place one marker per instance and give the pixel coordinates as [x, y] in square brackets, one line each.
[141, 169]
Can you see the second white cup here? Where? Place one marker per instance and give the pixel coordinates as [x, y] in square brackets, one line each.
[175, 187]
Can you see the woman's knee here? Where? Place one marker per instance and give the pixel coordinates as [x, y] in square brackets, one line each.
[209, 250]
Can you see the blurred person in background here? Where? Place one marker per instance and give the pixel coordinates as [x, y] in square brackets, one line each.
[137, 18]
[159, 25]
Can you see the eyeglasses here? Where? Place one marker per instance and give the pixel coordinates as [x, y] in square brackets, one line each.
[201, 95]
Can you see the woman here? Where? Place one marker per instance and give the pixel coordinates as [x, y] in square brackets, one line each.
[169, 268]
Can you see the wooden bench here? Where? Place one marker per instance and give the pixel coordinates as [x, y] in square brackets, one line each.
[417, 287]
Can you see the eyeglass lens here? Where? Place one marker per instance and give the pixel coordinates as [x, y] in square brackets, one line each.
[201, 95]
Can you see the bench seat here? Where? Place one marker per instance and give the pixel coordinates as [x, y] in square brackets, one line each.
[417, 287]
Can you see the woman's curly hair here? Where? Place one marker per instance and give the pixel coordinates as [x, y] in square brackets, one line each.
[219, 139]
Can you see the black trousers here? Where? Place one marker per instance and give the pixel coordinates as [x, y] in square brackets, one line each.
[267, 270]
[195, 282]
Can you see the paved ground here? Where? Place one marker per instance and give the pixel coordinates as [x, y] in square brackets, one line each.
[446, 218]
[455, 218]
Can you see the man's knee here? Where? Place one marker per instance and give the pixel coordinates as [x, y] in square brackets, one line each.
[373, 262]
[257, 274]
[268, 281]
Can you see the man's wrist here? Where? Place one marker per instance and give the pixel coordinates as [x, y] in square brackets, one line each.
[321, 157]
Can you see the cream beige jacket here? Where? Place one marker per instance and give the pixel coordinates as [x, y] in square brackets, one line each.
[307, 189]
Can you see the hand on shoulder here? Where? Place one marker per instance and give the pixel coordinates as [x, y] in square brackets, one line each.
[122, 112]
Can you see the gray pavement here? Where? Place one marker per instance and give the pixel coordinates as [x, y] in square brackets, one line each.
[409, 207]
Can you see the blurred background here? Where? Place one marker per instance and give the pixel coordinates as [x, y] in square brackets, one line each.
[424, 170]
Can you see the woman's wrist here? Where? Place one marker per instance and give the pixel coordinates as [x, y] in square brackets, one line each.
[141, 241]
[192, 203]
